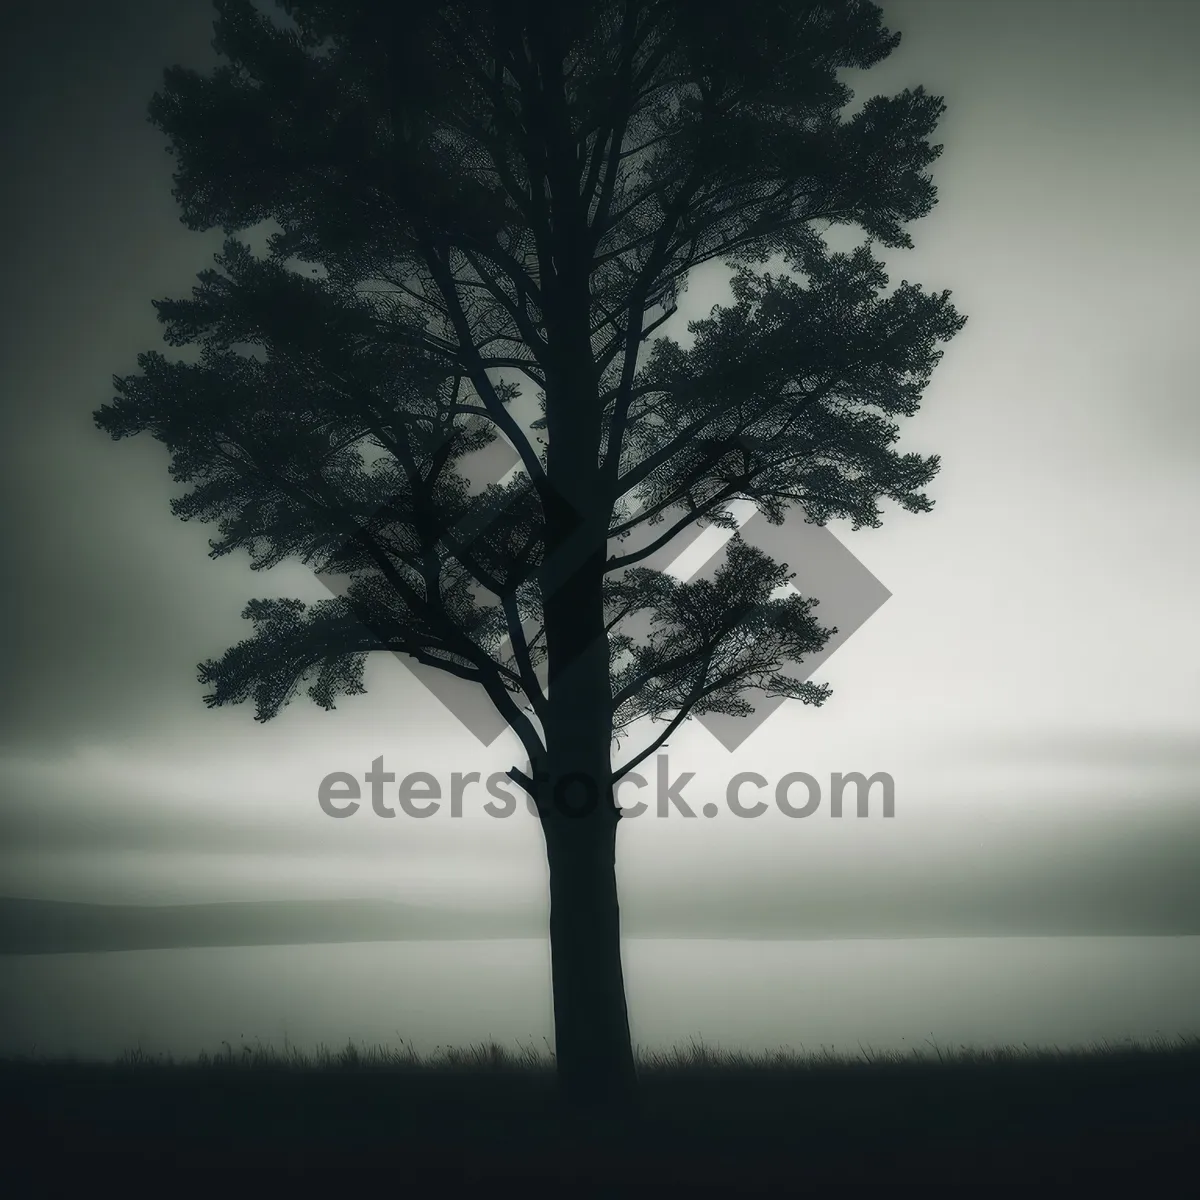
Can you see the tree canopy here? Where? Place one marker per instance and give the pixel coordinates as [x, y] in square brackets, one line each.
[463, 189]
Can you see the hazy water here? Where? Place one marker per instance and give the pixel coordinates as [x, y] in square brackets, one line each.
[753, 995]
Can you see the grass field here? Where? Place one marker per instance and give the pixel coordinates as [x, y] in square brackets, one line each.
[1041, 1121]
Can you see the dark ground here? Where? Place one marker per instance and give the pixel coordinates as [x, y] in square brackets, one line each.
[1111, 1120]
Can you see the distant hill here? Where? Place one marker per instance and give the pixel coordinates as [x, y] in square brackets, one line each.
[56, 927]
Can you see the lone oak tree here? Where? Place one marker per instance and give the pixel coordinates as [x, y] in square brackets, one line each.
[461, 189]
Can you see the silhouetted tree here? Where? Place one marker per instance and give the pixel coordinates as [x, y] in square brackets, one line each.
[517, 185]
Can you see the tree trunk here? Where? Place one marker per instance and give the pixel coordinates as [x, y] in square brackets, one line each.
[579, 819]
[596, 1073]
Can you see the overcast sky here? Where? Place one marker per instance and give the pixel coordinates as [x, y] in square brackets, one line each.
[1031, 685]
